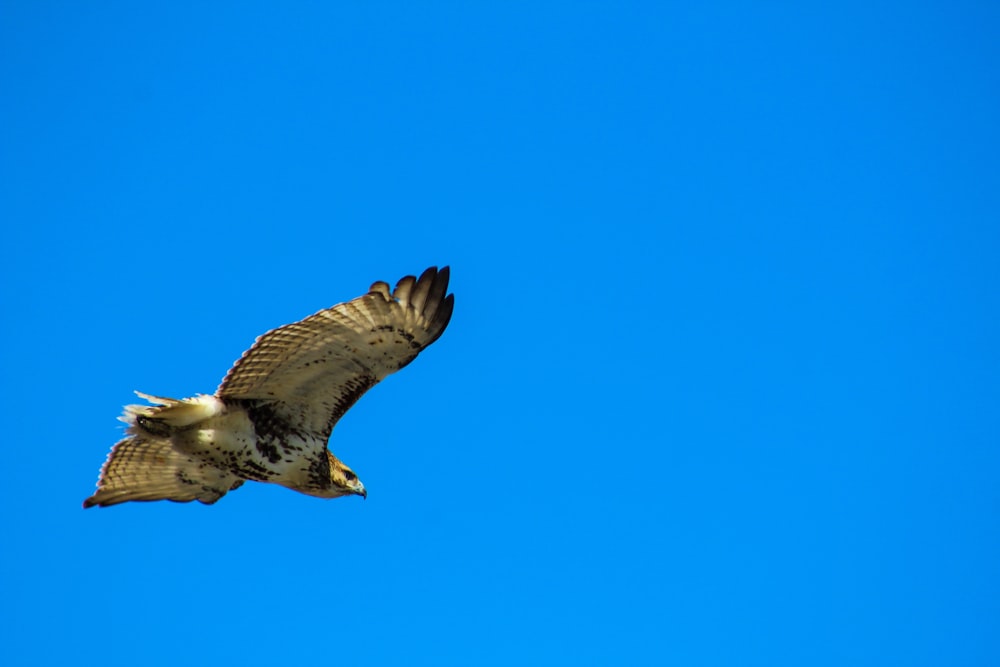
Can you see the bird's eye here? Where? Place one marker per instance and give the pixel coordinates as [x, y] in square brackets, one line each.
[350, 476]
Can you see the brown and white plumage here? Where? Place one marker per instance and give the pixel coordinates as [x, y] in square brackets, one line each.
[271, 417]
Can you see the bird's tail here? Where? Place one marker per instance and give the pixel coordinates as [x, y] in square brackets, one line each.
[167, 414]
[147, 466]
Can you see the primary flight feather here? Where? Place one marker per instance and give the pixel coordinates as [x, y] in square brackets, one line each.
[270, 419]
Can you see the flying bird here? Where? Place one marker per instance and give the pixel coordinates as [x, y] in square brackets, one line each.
[270, 419]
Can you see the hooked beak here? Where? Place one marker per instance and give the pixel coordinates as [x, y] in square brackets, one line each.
[359, 490]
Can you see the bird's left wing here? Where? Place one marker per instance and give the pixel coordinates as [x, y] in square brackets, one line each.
[309, 373]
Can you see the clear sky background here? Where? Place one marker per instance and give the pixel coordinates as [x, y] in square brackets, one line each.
[721, 386]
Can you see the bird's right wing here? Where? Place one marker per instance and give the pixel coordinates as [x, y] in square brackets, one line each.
[306, 375]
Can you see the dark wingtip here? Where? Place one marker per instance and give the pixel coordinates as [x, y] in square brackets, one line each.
[442, 305]
[444, 312]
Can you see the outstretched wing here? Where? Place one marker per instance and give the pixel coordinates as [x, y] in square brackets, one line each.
[306, 375]
[146, 467]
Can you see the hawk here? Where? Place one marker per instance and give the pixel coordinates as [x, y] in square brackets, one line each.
[270, 419]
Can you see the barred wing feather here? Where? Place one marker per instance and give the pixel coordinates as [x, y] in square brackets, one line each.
[309, 373]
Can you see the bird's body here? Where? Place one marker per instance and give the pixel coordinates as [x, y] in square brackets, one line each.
[272, 415]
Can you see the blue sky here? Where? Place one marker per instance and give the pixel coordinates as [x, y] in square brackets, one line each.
[721, 383]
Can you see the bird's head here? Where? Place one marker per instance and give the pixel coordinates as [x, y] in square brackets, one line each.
[343, 479]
